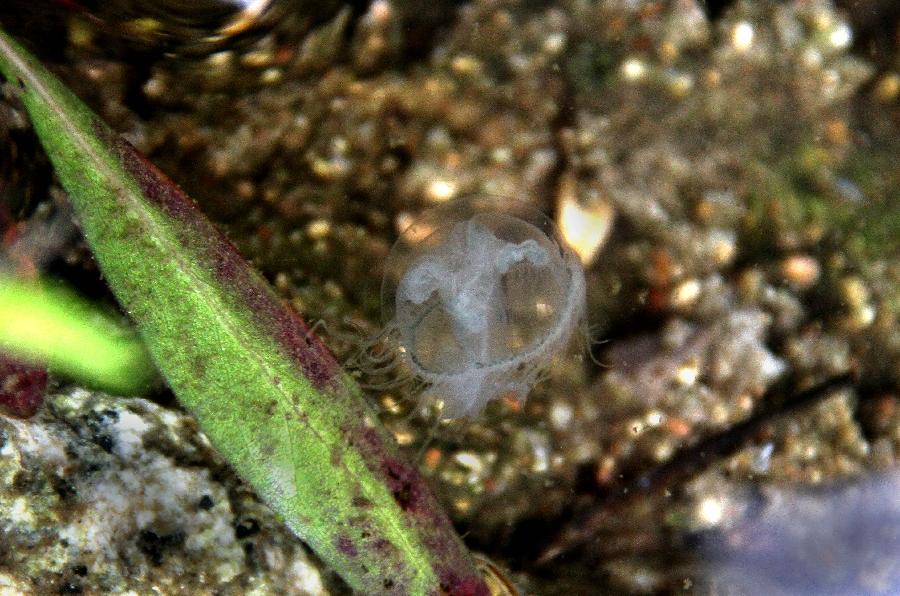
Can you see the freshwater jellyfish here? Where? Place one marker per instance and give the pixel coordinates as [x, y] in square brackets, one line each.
[480, 297]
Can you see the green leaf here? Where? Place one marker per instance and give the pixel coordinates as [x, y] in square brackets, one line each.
[50, 325]
[265, 390]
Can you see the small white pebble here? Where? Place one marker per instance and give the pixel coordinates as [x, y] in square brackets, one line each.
[742, 36]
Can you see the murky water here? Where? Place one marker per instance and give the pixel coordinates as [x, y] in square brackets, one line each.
[726, 175]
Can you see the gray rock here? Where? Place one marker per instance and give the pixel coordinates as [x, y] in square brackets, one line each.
[101, 494]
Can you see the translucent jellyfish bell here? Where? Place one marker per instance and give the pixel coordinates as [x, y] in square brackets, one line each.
[481, 296]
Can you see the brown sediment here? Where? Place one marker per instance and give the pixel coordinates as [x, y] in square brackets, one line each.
[687, 463]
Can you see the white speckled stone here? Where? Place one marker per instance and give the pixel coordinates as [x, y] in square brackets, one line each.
[115, 495]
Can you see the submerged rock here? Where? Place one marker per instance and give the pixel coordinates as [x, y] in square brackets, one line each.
[826, 540]
[109, 495]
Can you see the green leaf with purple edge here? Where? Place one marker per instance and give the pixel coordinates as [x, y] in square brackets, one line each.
[266, 391]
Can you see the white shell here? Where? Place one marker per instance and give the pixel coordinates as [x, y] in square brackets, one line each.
[481, 295]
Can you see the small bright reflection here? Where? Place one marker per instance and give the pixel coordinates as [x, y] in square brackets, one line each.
[841, 36]
[633, 69]
[711, 510]
[742, 36]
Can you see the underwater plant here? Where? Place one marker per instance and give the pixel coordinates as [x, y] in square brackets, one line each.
[479, 297]
[264, 389]
[47, 324]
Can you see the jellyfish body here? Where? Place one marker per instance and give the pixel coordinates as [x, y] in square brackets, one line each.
[481, 299]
